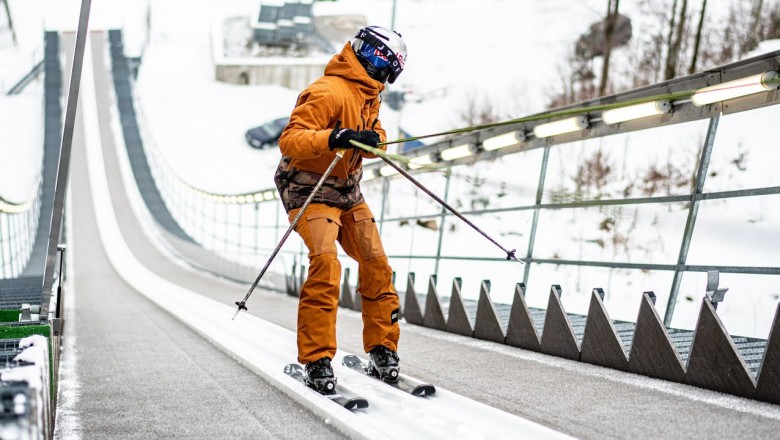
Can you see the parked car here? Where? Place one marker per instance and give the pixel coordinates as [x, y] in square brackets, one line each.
[267, 134]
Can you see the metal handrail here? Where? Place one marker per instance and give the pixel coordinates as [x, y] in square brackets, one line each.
[18, 227]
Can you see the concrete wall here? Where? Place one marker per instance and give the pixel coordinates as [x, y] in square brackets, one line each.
[295, 76]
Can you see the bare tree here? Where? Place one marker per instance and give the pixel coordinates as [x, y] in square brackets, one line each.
[612, 14]
[773, 29]
[479, 110]
[755, 32]
[674, 48]
[10, 20]
[670, 37]
[697, 42]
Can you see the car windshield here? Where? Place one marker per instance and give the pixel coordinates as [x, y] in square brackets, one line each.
[275, 127]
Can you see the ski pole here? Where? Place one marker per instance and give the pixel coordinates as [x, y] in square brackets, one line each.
[510, 255]
[242, 304]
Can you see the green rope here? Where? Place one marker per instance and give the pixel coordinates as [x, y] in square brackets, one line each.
[390, 156]
[380, 152]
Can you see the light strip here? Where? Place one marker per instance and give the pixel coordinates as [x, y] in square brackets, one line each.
[637, 111]
[457, 152]
[387, 170]
[10, 208]
[554, 128]
[503, 140]
[420, 161]
[369, 174]
[734, 89]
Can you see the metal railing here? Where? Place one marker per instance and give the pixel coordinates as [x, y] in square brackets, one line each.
[545, 196]
[18, 226]
[238, 227]
[26, 79]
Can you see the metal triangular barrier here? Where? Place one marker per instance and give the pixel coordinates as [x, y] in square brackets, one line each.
[652, 353]
[411, 310]
[292, 287]
[346, 297]
[487, 326]
[715, 362]
[357, 298]
[601, 344]
[521, 331]
[458, 321]
[768, 388]
[434, 317]
[558, 338]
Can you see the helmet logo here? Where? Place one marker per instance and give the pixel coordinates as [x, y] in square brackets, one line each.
[401, 59]
[379, 54]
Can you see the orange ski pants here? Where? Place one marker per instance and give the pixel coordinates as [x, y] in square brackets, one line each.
[355, 229]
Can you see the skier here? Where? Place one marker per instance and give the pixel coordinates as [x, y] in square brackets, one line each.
[340, 106]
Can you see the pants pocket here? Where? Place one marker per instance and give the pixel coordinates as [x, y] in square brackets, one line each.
[323, 231]
[369, 245]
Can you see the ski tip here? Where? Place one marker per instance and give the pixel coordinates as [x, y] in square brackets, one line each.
[356, 403]
[424, 390]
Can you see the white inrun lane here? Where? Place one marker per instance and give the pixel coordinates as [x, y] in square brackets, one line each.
[266, 347]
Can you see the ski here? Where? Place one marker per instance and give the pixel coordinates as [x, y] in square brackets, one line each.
[404, 384]
[355, 402]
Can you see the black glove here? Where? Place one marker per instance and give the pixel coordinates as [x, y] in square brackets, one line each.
[340, 137]
[368, 137]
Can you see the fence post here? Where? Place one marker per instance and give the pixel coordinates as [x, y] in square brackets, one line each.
[443, 218]
[693, 210]
[537, 209]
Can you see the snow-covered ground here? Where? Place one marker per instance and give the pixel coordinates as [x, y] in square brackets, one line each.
[511, 53]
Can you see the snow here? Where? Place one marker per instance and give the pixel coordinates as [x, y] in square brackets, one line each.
[34, 341]
[21, 141]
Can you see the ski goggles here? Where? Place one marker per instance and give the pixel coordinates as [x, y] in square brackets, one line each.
[374, 56]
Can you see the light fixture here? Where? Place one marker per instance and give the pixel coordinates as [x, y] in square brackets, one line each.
[14, 209]
[387, 170]
[257, 197]
[734, 89]
[368, 174]
[420, 161]
[456, 152]
[638, 111]
[562, 126]
[503, 140]
[269, 195]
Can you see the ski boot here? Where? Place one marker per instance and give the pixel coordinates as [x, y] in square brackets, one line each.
[383, 364]
[318, 375]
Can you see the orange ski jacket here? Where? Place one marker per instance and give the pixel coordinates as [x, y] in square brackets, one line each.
[344, 93]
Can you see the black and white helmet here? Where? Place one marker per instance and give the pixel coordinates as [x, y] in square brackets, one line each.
[381, 51]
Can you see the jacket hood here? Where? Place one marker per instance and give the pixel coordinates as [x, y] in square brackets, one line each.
[346, 65]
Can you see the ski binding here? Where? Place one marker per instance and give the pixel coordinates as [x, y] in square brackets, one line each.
[402, 383]
[330, 389]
